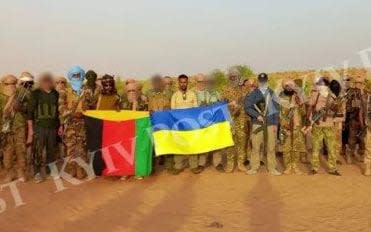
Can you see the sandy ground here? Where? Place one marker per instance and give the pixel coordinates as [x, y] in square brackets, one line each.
[208, 202]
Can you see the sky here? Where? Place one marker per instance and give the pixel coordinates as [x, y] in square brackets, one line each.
[142, 37]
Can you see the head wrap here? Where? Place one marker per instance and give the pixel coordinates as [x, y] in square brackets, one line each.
[234, 76]
[108, 85]
[76, 82]
[26, 77]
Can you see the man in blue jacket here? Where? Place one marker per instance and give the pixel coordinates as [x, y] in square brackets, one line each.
[263, 107]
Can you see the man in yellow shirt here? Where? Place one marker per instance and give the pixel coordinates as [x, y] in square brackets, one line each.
[183, 99]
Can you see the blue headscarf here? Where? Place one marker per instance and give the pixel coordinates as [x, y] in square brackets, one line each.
[76, 83]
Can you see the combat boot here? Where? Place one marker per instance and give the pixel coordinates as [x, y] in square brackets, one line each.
[241, 167]
[229, 167]
[367, 169]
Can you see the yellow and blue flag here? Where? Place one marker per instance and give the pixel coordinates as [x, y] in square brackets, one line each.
[193, 130]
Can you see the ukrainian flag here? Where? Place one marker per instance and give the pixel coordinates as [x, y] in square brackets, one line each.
[192, 131]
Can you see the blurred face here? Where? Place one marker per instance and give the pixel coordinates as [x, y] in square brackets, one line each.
[46, 84]
[201, 84]
[61, 84]
[157, 84]
[9, 87]
[168, 83]
[132, 92]
[183, 84]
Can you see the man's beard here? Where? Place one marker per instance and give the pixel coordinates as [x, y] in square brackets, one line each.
[288, 92]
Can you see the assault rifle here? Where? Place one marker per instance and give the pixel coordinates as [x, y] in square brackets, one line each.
[321, 114]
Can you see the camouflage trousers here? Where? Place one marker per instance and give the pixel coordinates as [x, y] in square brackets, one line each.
[354, 139]
[292, 147]
[338, 142]
[75, 141]
[328, 136]
[179, 161]
[238, 151]
[14, 149]
[367, 159]
[257, 140]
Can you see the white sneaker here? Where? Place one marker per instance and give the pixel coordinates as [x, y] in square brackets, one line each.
[124, 178]
[138, 177]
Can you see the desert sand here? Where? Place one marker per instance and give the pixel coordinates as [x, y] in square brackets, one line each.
[210, 201]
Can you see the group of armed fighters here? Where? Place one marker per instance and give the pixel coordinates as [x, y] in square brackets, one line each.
[44, 124]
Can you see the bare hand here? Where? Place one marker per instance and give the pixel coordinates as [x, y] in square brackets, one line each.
[60, 130]
[260, 119]
[29, 138]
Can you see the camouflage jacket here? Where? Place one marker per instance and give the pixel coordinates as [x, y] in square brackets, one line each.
[126, 105]
[19, 118]
[158, 100]
[72, 105]
[292, 112]
[236, 94]
[92, 96]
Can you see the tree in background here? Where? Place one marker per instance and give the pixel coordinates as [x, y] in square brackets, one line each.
[245, 71]
[220, 78]
[119, 85]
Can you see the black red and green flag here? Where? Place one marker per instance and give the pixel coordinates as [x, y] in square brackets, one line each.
[120, 141]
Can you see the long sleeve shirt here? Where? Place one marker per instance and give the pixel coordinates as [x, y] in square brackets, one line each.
[272, 106]
[43, 108]
[181, 100]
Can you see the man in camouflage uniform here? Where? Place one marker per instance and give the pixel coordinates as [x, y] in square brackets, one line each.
[339, 117]
[108, 99]
[322, 106]
[234, 93]
[13, 129]
[72, 103]
[60, 83]
[132, 100]
[367, 159]
[158, 100]
[291, 122]
[25, 83]
[355, 119]
[61, 87]
[91, 88]
[168, 86]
